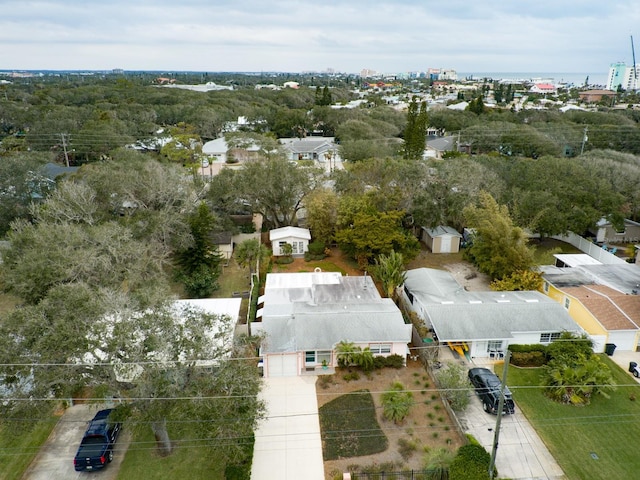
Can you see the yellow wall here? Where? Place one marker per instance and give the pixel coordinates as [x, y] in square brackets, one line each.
[577, 311]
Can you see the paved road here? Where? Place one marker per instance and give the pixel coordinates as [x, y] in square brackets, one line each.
[55, 459]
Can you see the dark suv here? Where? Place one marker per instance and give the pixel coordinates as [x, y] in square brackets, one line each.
[96, 448]
[487, 385]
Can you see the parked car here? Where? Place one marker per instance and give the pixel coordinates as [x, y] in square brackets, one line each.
[96, 448]
[634, 369]
[487, 386]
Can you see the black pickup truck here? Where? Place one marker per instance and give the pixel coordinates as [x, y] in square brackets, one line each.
[96, 448]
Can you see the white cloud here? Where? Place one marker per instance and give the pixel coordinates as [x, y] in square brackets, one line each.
[385, 35]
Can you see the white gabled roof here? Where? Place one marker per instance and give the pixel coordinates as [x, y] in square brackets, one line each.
[286, 232]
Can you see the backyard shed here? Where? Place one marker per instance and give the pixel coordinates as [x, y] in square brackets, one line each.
[441, 239]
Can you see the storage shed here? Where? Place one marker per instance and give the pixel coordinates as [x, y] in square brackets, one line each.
[441, 239]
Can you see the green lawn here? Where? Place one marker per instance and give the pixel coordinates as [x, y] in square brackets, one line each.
[191, 460]
[19, 448]
[598, 441]
[343, 422]
[324, 265]
[544, 250]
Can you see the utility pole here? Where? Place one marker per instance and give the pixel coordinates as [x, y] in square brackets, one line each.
[496, 435]
[64, 148]
[584, 139]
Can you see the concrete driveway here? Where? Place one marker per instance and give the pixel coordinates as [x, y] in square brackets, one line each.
[521, 453]
[55, 459]
[288, 444]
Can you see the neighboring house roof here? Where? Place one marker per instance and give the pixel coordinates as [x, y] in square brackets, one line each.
[603, 222]
[442, 144]
[287, 232]
[222, 238]
[458, 106]
[312, 327]
[614, 310]
[458, 315]
[622, 277]
[489, 321]
[442, 230]
[575, 259]
[53, 170]
[215, 147]
[308, 144]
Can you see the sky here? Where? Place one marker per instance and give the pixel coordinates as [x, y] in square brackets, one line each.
[387, 36]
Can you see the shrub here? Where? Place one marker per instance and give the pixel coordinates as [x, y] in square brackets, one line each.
[284, 260]
[347, 377]
[317, 249]
[406, 448]
[453, 381]
[470, 463]
[395, 361]
[528, 359]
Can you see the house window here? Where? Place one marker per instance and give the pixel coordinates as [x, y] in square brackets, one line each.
[409, 294]
[549, 337]
[281, 246]
[545, 287]
[310, 357]
[294, 247]
[380, 348]
[567, 302]
[323, 355]
[301, 247]
[494, 345]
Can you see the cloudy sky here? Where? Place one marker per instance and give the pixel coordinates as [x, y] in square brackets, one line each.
[347, 36]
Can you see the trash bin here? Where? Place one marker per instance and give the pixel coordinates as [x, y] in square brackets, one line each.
[609, 348]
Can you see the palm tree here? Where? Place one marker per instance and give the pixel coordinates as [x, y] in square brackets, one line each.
[389, 270]
[249, 252]
[396, 403]
[347, 353]
[364, 359]
[576, 383]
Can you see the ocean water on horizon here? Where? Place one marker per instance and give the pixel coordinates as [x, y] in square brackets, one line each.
[574, 78]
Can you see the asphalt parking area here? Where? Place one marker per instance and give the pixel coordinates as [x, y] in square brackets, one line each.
[55, 459]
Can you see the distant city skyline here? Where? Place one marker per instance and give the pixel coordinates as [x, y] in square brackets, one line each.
[387, 36]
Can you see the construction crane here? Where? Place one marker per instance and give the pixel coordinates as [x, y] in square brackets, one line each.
[635, 70]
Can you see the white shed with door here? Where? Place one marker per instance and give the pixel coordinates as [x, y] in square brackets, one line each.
[297, 237]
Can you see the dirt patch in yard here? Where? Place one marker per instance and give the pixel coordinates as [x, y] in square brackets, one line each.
[427, 427]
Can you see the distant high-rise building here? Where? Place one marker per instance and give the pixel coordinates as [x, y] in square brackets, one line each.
[623, 76]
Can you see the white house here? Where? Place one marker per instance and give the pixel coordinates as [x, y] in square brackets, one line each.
[305, 315]
[323, 151]
[486, 323]
[297, 237]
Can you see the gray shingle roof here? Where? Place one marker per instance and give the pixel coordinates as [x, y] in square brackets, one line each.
[458, 315]
[320, 327]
